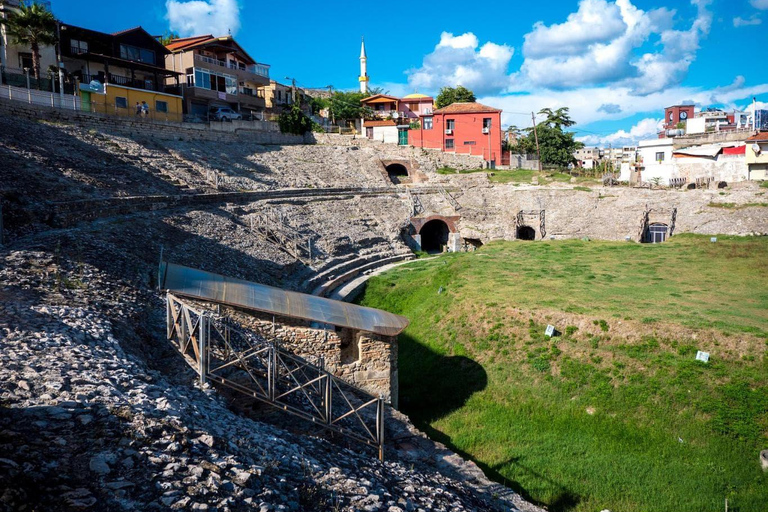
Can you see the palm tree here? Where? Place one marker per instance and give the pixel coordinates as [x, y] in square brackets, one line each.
[34, 26]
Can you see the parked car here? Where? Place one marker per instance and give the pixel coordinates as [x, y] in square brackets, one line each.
[224, 114]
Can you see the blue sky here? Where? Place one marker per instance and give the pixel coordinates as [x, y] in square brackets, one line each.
[615, 63]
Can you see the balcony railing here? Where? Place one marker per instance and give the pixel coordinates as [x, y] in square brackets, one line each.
[147, 85]
[256, 69]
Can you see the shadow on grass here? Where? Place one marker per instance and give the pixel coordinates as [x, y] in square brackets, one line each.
[434, 385]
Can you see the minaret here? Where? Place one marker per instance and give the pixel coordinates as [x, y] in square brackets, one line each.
[363, 69]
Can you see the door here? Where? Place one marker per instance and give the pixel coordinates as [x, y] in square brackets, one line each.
[369, 132]
[402, 137]
[85, 101]
[657, 233]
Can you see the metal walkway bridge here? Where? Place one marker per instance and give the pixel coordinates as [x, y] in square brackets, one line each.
[223, 353]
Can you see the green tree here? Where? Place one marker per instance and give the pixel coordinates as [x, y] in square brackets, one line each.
[557, 118]
[346, 106]
[458, 94]
[555, 145]
[294, 121]
[34, 26]
[168, 37]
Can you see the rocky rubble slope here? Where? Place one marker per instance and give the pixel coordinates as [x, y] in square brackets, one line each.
[98, 413]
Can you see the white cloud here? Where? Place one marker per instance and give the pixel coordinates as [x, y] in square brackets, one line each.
[760, 4]
[596, 21]
[597, 45]
[738, 21]
[585, 104]
[195, 17]
[645, 129]
[456, 60]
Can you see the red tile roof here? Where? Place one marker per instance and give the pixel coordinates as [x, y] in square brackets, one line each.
[178, 44]
[386, 122]
[760, 137]
[466, 108]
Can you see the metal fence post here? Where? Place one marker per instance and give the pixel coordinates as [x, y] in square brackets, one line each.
[271, 368]
[203, 362]
[168, 316]
[328, 397]
[380, 426]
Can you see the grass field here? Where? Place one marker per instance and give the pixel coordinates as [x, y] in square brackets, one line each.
[615, 412]
[520, 176]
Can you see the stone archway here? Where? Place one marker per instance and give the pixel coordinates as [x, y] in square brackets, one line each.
[397, 173]
[434, 236]
[526, 233]
[435, 232]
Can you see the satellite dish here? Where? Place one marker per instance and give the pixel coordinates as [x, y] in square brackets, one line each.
[756, 148]
[395, 115]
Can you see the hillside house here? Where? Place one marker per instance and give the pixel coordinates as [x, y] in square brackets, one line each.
[217, 72]
[116, 71]
[465, 128]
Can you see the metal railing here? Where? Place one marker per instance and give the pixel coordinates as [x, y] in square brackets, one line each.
[35, 97]
[257, 69]
[257, 367]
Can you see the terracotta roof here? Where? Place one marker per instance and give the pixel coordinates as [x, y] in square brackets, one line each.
[760, 137]
[466, 108]
[379, 98]
[385, 122]
[184, 42]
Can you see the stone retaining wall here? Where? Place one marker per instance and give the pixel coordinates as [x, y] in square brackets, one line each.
[366, 360]
[217, 132]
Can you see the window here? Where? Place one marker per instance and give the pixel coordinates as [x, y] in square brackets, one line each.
[136, 54]
[279, 95]
[448, 143]
[486, 123]
[25, 60]
[427, 123]
[206, 79]
[78, 47]
[161, 106]
[121, 102]
[660, 156]
[413, 107]
[449, 124]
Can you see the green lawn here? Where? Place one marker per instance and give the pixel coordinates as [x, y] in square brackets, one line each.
[521, 176]
[615, 412]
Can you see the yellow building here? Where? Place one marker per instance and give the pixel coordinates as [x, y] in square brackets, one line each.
[757, 156]
[126, 101]
[117, 71]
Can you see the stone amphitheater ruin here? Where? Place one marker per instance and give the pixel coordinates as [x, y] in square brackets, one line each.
[98, 410]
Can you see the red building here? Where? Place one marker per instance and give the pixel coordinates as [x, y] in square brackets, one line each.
[677, 114]
[466, 128]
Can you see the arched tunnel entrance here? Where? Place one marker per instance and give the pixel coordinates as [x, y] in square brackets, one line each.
[434, 236]
[398, 173]
[526, 233]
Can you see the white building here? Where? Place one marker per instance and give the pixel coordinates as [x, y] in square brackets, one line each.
[656, 158]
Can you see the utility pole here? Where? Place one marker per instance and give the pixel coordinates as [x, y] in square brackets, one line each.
[59, 64]
[536, 136]
[293, 88]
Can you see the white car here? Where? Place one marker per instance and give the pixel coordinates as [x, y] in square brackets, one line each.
[225, 114]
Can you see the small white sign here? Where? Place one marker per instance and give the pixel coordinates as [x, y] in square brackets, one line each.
[713, 239]
[702, 356]
[550, 331]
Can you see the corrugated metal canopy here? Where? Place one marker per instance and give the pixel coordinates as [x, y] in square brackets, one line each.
[208, 286]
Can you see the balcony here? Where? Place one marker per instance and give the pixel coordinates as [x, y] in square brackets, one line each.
[259, 70]
[136, 83]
